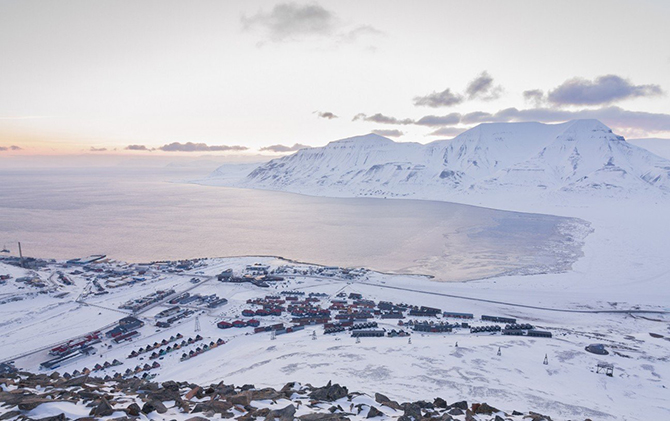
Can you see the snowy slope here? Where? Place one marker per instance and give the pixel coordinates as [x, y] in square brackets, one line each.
[582, 156]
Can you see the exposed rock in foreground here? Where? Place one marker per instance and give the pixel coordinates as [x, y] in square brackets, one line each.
[26, 396]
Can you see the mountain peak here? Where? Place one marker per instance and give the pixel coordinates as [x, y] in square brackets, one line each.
[366, 139]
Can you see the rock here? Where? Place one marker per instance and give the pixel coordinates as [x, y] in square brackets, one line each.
[439, 403]
[198, 419]
[10, 414]
[455, 411]
[243, 398]
[104, 409]
[462, 405]
[385, 401]
[484, 408]
[192, 393]
[469, 416]
[447, 417]
[379, 398]
[412, 413]
[323, 417]
[59, 417]
[160, 408]
[215, 406]
[374, 412]
[266, 394]
[329, 393]
[517, 413]
[499, 418]
[148, 408]
[170, 385]
[133, 409]
[247, 387]
[285, 414]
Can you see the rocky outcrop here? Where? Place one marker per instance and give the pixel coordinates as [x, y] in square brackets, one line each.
[21, 393]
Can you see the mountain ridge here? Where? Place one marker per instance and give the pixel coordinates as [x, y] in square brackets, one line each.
[579, 156]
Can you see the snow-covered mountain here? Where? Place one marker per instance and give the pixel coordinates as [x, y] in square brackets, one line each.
[577, 156]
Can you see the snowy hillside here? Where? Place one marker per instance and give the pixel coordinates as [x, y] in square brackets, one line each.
[577, 156]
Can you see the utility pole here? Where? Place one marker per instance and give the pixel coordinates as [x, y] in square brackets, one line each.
[546, 360]
[197, 323]
[21, 255]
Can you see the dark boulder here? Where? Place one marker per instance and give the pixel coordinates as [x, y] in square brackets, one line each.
[285, 414]
[439, 403]
[329, 393]
[104, 409]
[133, 410]
[374, 412]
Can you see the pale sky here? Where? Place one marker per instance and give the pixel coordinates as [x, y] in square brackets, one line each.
[76, 75]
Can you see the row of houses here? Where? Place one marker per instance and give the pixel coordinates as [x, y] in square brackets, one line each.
[141, 303]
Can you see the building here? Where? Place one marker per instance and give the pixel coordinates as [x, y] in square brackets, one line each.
[455, 315]
[497, 319]
[539, 333]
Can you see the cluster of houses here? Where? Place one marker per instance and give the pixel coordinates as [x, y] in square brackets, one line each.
[210, 301]
[141, 303]
[125, 330]
[156, 345]
[256, 274]
[201, 350]
[164, 351]
[167, 317]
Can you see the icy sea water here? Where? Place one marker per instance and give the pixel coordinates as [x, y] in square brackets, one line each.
[140, 215]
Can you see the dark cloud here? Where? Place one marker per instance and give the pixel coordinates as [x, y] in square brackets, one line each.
[534, 96]
[482, 88]
[199, 147]
[388, 133]
[612, 116]
[97, 149]
[10, 148]
[445, 98]
[602, 90]
[290, 21]
[284, 148]
[380, 118]
[136, 148]
[434, 120]
[448, 131]
[325, 114]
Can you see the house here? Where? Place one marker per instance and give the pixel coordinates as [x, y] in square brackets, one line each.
[539, 333]
[455, 315]
[239, 323]
[224, 325]
[497, 319]
[131, 323]
[225, 276]
[372, 333]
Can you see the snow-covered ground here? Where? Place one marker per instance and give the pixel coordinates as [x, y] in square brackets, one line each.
[456, 366]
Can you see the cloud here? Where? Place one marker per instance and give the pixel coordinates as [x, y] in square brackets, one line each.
[199, 147]
[477, 117]
[482, 88]
[380, 118]
[361, 31]
[294, 22]
[325, 114]
[603, 90]
[136, 148]
[388, 133]
[288, 21]
[448, 131]
[97, 149]
[434, 120]
[284, 148]
[612, 116]
[534, 96]
[445, 98]
[10, 148]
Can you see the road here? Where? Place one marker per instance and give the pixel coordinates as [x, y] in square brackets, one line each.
[484, 300]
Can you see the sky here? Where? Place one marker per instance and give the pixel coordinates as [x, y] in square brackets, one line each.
[236, 77]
